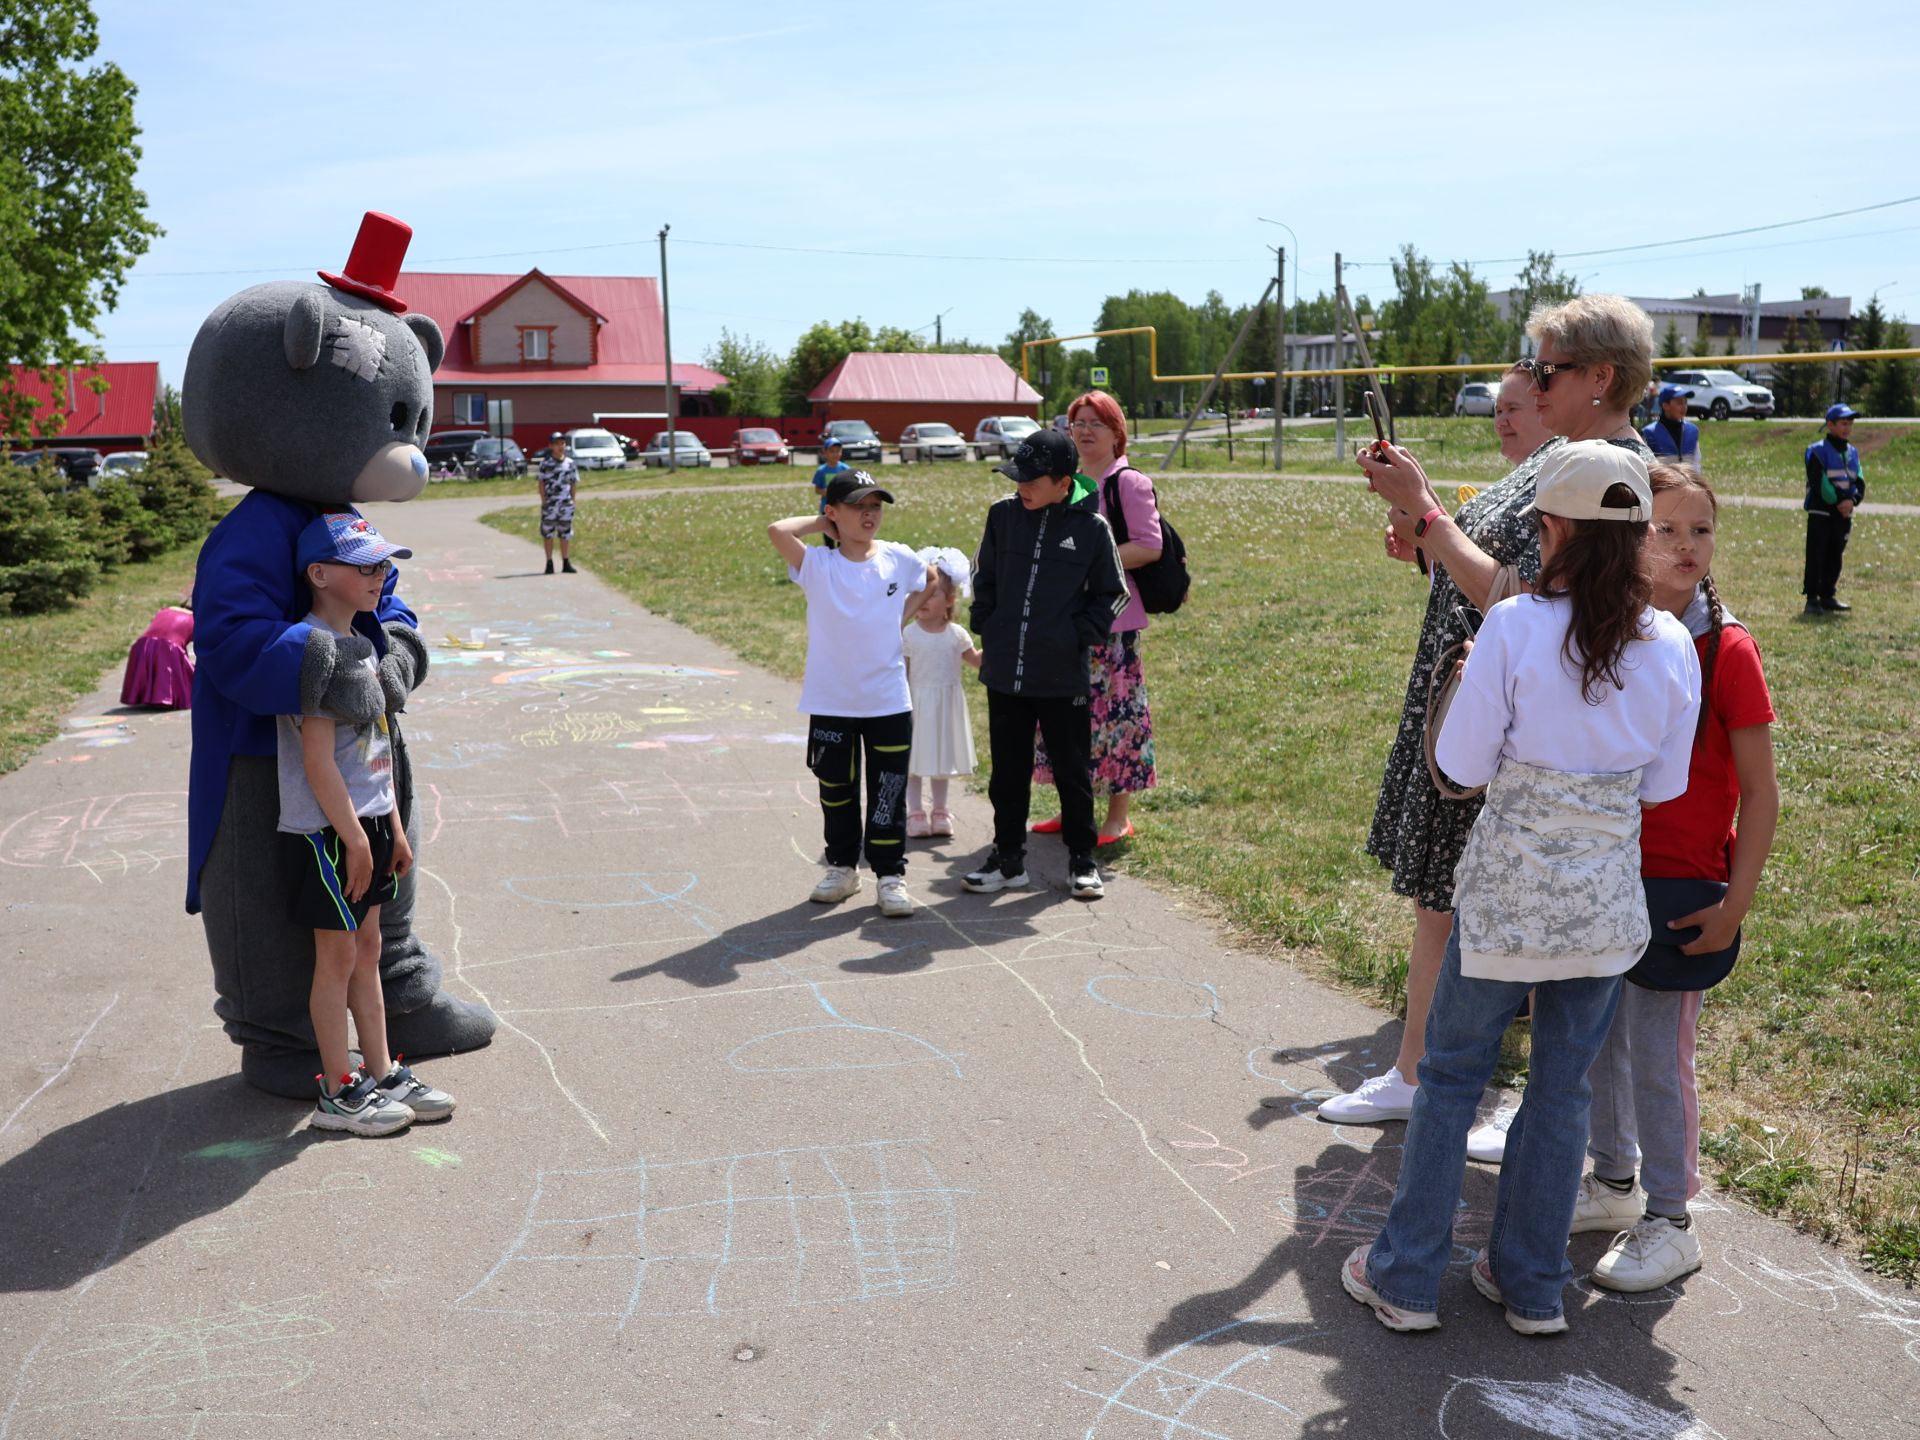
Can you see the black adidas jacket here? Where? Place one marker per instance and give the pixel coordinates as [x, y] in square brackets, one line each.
[1047, 586]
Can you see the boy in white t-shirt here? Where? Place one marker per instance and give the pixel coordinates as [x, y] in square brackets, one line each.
[854, 693]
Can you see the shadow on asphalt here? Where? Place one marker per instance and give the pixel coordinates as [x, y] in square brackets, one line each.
[105, 1187]
[1474, 1375]
[916, 942]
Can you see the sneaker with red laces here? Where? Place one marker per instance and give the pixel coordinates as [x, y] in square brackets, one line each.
[1353, 1277]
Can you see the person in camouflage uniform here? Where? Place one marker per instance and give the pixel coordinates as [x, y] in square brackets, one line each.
[558, 480]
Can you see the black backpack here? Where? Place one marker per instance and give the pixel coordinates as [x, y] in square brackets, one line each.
[1162, 584]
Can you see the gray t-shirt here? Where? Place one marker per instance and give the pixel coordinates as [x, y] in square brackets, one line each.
[364, 755]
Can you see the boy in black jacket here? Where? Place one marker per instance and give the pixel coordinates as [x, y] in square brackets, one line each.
[1047, 584]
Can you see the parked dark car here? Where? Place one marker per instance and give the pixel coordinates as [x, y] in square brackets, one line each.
[856, 437]
[491, 456]
[80, 466]
[451, 445]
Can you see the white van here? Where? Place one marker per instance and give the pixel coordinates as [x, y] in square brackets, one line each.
[595, 450]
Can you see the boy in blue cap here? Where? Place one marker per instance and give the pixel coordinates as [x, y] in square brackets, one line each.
[1835, 484]
[1672, 437]
[337, 811]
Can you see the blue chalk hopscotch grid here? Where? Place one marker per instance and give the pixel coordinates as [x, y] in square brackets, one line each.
[805, 1226]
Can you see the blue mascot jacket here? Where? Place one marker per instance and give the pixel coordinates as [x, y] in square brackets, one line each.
[249, 639]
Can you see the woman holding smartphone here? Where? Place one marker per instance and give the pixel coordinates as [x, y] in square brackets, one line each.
[1594, 355]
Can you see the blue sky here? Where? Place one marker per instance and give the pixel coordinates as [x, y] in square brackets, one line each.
[1116, 147]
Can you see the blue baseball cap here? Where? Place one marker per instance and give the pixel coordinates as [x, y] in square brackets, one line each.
[1670, 392]
[1840, 412]
[345, 537]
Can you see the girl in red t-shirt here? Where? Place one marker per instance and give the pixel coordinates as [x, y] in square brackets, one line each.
[1646, 1108]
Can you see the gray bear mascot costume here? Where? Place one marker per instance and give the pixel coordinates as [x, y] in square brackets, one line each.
[315, 396]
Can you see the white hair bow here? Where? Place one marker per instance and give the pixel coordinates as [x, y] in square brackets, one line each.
[952, 564]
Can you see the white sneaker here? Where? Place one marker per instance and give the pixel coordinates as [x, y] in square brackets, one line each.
[1353, 1276]
[1483, 1281]
[894, 900]
[1601, 1207]
[1384, 1097]
[1488, 1143]
[1653, 1253]
[836, 885]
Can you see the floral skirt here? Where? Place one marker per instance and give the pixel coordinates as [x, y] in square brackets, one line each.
[1122, 752]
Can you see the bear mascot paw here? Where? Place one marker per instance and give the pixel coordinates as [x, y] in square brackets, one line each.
[314, 397]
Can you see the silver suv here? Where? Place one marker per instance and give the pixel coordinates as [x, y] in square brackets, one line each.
[1001, 434]
[1721, 394]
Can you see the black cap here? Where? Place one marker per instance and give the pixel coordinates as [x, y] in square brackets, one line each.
[853, 486]
[1045, 453]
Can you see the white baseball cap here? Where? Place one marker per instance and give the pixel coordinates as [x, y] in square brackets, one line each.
[1577, 476]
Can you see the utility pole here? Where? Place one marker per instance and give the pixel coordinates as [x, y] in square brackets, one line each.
[1339, 363]
[666, 344]
[1279, 350]
[936, 329]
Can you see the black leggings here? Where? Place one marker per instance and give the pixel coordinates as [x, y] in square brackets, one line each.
[834, 743]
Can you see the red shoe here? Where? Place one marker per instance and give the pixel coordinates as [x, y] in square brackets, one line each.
[1126, 834]
[1046, 827]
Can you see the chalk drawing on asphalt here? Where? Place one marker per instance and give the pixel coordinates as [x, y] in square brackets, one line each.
[108, 836]
[1156, 997]
[1180, 1392]
[1574, 1407]
[832, 1224]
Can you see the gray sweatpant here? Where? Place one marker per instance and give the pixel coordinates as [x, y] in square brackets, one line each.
[1646, 1107]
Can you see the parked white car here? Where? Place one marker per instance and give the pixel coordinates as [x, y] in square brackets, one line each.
[932, 440]
[123, 466]
[1001, 434]
[686, 446]
[1476, 397]
[595, 450]
[1720, 393]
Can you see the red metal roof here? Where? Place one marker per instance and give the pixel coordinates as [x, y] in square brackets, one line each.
[125, 412]
[630, 349]
[870, 376]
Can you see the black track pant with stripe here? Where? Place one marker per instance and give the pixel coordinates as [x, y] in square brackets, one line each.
[834, 746]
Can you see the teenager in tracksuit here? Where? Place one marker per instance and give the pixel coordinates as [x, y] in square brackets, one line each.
[1672, 436]
[1047, 586]
[1835, 484]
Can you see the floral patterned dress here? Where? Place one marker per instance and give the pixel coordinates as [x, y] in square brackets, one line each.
[1418, 834]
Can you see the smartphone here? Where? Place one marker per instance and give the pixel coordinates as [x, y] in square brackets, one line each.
[1372, 402]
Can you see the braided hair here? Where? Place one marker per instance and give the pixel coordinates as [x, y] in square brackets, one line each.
[1683, 477]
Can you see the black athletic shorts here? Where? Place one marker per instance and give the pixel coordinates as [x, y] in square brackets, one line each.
[320, 899]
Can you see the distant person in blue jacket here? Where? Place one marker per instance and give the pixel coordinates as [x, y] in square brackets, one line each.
[1671, 436]
[1835, 484]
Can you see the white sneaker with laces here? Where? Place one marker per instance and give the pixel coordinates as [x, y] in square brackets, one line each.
[836, 885]
[1384, 1097]
[1601, 1207]
[894, 900]
[1488, 1143]
[1654, 1252]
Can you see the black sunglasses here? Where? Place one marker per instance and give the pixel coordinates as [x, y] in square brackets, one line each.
[379, 567]
[1541, 372]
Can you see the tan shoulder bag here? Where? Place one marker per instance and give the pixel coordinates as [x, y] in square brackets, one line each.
[1444, 683]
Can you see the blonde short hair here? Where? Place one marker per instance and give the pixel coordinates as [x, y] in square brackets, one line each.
[1601, 329]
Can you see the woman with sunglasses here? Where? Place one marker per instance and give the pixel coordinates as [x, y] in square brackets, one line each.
[1593, 357]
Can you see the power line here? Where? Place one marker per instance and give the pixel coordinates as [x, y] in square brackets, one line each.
[1688, 240]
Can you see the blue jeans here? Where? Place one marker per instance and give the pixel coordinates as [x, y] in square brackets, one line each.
[1546, 1145]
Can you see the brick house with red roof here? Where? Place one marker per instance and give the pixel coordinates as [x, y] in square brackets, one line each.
[566, 350]
[119, 417]
[891, 391]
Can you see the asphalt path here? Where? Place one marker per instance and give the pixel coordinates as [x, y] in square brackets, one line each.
[738, 1165]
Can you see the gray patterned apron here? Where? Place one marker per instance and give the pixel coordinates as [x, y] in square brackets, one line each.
[1548, 887]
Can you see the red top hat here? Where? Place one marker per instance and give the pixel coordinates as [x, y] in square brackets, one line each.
[375, 262]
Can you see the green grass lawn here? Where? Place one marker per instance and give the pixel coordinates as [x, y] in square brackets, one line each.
[1275, 695]
[47, 660]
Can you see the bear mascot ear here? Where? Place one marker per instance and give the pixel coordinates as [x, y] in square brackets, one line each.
[305, 328]
[428, 334]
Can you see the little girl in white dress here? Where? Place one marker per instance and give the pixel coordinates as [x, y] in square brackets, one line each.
[942, 730]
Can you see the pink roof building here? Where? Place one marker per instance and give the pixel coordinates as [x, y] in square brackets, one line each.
[893, 390]
[118, 418]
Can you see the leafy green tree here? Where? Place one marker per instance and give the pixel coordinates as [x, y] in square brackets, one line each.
[815, 354]
[71, 219]
[1434, 319]
[754, 374]
[1815, 292]
[177, 497]
[166, 409]
[1892, 392]
[1670, 342]
[44, 562]
[1538, 283]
